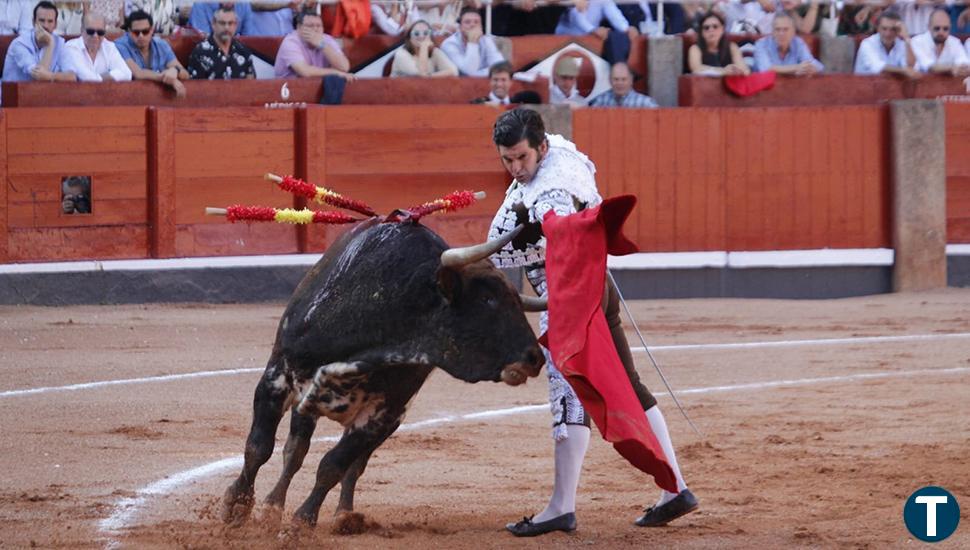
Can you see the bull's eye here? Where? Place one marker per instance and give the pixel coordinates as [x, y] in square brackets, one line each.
[490, 301]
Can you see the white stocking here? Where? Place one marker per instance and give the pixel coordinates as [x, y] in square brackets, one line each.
[569, 464]
[659, 427]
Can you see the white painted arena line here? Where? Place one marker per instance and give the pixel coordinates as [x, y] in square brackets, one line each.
[126, 509]
[680, 347]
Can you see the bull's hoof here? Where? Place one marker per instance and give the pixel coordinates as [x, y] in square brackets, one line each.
[270, 516]
[236, 506]
[289, 537]
[348, 523]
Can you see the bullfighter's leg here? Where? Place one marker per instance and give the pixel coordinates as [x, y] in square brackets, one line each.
[269, 403]
[670, 505]
[297, 445]
[354, 445]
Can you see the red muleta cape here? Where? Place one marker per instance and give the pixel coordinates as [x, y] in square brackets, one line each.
[579, 338]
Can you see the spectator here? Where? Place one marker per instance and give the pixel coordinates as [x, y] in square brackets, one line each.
[806, 16]
[621, 92]
[564, 90]
[888, 51]
[164, 13]
[220, 55]
[959, 19]
[38, 53]
[274, 18]
[938, 52]
[69, 18]
[616, 41]
[149, 57]
[419, 57]
[473, 52]
[112, 10]
[15, 16]
[76, 195]
[522, 17]
[861, 18]
[915, 14]
[309, 52]
[783, 52]
[442, 15]
[714, 53]
[747, 16]
[202, 14]
[393, 19]
[500, 82]
[91, 57]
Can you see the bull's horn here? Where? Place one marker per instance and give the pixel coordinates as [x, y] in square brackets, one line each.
[531, 303]
[459, 257]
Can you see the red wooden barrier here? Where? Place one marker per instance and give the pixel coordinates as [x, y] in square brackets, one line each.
[765, 179]
[958, 172]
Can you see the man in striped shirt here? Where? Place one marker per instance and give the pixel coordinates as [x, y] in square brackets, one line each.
[621, 92]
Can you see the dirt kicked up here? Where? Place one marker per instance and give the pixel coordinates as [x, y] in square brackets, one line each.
[122, 426]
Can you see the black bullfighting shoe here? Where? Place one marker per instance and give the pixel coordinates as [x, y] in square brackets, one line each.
[528, 528]
[657, 516]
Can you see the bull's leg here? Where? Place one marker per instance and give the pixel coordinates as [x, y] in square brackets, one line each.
[269, 403]
[349, 483]
[353, 446]
[297, 444]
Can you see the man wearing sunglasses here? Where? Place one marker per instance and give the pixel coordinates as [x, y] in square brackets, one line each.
[150, 57]
[91, 57]
[938, 52]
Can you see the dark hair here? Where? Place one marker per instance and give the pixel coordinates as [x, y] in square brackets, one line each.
[784, 15]
[138, 15]
[407, 37]
[890, 15]
[224, 9]
[299, 16]
[47, 5]
[467, 9]
[500, 67]
[513, 126]
[526, 96]
[723, 45]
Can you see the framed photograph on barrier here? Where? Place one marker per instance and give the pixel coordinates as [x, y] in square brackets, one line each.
[76, 195]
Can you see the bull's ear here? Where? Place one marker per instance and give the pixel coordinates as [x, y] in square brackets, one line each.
[449, 284]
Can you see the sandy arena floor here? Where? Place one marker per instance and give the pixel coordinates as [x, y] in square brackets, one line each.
[806, 444]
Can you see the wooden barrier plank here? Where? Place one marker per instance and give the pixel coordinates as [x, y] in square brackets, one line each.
[818, 156]
[958, 172]
[238, 154]
[78, 243]
[161, 182]
[665, 199]
[318, 236]
[105, 185]
[234, 120]
[735, 168]
[632, 169]
[423, 151]
[415, 117]
[686, 227]
[225, 239]
[104, 212]
[833, 172]
[4, 184]
[76, 117]
[80, 164]
[192, 195]
[876, 179]
[776, 211]
[854, 179]
[754, 188]
[30, 141]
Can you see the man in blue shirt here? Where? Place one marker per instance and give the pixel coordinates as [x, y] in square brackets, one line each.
[274, 18]
[36, 54]
[149, 57]
[783, 52]
[200, 18]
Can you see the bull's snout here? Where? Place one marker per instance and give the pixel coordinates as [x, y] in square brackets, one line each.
[517, 373]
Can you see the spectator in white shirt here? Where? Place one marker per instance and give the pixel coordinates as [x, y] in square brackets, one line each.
[91, 57]
[938, 52]
[393, 19]
[916, 14]
[887, 51]
[468, 48]
[747, 16]
[564, 90]
[16, 16]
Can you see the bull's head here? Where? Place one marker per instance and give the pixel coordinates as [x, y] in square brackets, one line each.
[488, 313]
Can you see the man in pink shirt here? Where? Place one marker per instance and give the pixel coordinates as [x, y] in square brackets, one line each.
[309, 52]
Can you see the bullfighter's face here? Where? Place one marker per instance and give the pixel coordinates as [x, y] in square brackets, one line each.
[522, 160]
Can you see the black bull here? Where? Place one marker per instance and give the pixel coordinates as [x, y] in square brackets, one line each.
[361, 334]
